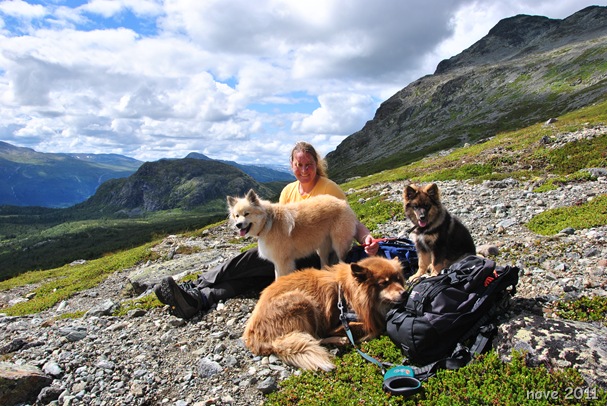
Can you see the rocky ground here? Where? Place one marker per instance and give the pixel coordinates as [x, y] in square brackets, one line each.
[151, 357]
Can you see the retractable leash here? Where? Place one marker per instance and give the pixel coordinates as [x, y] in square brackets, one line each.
[398, 380]
[380, 240]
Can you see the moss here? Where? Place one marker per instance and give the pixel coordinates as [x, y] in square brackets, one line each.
[583, 309]
[143, 303]
[487, 380]
[586, 215]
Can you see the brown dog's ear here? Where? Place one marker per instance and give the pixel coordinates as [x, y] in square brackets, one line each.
[359, 272]
[231, 201]
[409, 193]
[397, 264]
[252, 197]
[432, 191]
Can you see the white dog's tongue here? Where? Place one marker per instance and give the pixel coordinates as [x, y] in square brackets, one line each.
[243, 232]
[422, 224]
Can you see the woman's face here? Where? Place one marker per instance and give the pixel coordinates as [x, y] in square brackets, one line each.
[303, 167]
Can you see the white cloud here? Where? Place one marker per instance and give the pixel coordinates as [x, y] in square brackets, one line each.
[22, 10]
[338, 114]
[236, 79]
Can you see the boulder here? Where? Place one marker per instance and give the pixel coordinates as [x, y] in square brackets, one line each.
[21, 383]
[557, 343]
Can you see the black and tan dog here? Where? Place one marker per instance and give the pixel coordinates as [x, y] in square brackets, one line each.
[440, 238]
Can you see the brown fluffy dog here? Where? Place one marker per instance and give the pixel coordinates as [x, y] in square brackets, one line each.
[287, 232]
[298, 312]
[440, 238]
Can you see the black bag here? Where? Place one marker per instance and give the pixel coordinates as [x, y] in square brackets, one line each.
[401, 248]
[443, 312]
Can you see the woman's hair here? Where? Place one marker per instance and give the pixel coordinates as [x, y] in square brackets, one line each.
[321, 164]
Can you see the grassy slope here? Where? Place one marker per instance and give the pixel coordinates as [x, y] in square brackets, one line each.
[514, 154]
[52, 238]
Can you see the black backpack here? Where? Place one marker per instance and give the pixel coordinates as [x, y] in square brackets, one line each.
[443, 313]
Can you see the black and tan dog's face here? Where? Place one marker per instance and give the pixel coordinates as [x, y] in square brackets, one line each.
[422, 204]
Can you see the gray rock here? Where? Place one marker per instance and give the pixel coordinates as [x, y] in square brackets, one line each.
[207, 368]
[52, 368]
[558, 344]
[105, 308]
[21, 383]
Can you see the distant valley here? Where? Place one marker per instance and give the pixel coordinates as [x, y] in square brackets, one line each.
[31, 178]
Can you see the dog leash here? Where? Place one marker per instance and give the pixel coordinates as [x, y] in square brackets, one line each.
[398, 380]
[373, 240]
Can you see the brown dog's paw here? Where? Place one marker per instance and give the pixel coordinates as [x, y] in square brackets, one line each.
[339, 341]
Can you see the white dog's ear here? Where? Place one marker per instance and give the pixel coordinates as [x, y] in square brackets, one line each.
[252, 197]
[231, 201]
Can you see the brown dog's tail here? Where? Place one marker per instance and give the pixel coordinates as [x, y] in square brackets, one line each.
[303, 351]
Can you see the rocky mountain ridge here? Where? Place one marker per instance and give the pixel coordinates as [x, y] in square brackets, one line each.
[526, 70]
[150, 357]
[168, 184]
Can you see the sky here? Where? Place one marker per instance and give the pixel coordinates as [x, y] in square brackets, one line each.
[236, 80]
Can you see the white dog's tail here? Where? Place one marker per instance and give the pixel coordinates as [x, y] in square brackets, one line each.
[303, 351]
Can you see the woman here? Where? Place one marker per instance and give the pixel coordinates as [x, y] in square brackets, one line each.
[248, 271]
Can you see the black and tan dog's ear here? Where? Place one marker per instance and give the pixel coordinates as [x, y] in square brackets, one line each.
[432, 191]
[252, 197]
[409, 193]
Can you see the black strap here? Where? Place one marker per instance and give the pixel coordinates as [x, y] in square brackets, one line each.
[461, 355]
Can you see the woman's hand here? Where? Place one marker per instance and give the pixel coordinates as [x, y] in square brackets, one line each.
[371, 245]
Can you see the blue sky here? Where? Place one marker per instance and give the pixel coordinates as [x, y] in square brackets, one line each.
[232, 79]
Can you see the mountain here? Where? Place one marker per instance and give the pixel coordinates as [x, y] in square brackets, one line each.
[173, 183]
[260, 173]
[30, 178]
[526, 70]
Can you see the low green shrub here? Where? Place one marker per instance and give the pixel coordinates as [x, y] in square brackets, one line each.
[583, 309]
[146, 302]
[486, 381]
[373, 209]
[554, 183]
[586, 215]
